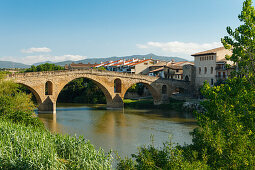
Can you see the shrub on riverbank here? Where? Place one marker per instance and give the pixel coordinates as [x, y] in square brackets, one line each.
[27, 147]
[16, 106]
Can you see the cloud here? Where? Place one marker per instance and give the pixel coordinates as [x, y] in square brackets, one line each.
[178, 47]
[36, 50]
[41, 58]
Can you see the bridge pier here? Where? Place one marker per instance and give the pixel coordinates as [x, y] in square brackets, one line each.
[47, 106]
[116, 102]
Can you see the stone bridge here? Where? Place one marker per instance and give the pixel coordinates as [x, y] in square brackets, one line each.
[113, 84]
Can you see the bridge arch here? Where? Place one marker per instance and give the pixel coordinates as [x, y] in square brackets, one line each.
[35, 93]
[106, 92]
[154, 92]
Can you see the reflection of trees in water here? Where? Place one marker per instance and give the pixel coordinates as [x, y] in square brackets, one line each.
[109, 121]
[50, 122]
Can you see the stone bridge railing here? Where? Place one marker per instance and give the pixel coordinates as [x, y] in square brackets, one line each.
[83, 71]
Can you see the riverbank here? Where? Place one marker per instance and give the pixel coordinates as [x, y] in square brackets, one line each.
[148, 104]
[30, 147]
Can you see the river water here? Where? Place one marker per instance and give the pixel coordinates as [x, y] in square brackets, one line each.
[121, 130]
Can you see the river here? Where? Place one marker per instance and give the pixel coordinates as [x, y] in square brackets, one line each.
[121, 130]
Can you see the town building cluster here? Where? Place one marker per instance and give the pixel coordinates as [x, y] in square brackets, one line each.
[210, 66]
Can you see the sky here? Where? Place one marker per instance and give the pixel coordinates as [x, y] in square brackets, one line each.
[57, 30]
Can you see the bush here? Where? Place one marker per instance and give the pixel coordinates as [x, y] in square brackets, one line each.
[16, 106]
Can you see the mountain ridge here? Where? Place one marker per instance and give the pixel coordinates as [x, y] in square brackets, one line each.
[10, 64]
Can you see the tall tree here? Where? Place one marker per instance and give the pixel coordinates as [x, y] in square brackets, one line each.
[242, 41]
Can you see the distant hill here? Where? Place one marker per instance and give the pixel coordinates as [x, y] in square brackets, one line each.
[10, 64]
[36, 64]
[98, 60]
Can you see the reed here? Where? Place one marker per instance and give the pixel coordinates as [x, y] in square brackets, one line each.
[29, 147]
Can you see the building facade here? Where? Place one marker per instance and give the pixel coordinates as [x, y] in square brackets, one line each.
[134, 66]
[210, 64]
[169, 70]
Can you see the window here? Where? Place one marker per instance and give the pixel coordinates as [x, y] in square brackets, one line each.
[205, 70]
[211, 81]
[219, 74]
[224, 74]
[212, 57]
[177, 71]
[199, 70]
[164, 89]
[211, 70]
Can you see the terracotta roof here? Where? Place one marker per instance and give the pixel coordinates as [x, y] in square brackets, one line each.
[212, 51]
[135, 63]
[159, 69]
[175, 67]
[181, 63]
[161, 63]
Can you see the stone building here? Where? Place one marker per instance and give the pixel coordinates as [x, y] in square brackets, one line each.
[169, 70]
[79, 66]
[135, 66]
[189, 73]
[211, 64]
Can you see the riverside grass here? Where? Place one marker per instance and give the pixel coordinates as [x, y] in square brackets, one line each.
[29, 147]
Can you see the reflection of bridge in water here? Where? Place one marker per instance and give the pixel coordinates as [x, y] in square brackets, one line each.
[46, 86]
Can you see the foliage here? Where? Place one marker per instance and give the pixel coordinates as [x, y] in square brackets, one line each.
[227, 128]
[137, 88]
[167, 157]
[44, 67]
[27, 147]
[225, 138]
[82, 90]
[242, 41]
[101, 68]
[15, 105]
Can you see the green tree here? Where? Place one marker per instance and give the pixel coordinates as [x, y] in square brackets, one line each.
[16, 105]
[242, 41]
[44, 67]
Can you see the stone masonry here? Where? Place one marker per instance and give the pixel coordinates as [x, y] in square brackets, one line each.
[56, 80]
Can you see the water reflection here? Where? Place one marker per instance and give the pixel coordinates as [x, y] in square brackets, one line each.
[121, 130]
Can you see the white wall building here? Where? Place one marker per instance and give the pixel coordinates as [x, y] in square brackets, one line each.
[207, 65]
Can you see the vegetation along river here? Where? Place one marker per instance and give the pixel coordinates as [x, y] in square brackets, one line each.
[121, 130]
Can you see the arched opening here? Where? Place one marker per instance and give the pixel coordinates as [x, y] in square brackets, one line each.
[48, 88]
[141, 94]
[83, 91]
[28, 90]
[178, 91]
[117, 86]
[186, 78]
[164, 89]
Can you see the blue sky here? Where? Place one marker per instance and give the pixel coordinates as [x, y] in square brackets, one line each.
[38, 30]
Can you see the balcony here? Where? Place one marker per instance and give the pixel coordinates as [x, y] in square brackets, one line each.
[220, 67]
[221, 77]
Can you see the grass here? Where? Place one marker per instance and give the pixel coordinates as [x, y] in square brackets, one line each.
[28, 147]
[148, 104]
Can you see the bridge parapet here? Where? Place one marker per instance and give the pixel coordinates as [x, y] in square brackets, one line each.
[82, 71]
